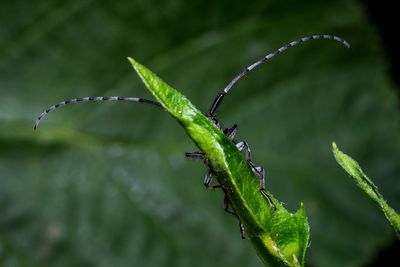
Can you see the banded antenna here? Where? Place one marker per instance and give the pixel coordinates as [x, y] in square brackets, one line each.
[220, 97]
[97, 98]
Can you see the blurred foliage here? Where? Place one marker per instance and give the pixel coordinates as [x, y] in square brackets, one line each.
[365, 183]
[107, 184]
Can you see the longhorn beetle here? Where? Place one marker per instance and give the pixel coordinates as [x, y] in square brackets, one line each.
[229, 132]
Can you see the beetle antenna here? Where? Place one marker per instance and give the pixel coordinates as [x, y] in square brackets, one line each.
[97, 98]
[219, 98]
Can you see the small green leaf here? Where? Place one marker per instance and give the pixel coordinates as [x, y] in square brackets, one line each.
[355, 171]
[279, 237]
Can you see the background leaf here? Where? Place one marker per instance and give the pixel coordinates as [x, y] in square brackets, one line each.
[107, 184]
[365, 183]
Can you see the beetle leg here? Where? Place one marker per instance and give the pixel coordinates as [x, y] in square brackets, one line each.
[241, 229]
[259, 171]
[244, 145]
[208, 179]
[214, 120]
[197, 155]
[227, 204]
[231, 132]
[210, 173]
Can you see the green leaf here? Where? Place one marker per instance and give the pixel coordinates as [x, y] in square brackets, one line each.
[355, 171]
[279, 237]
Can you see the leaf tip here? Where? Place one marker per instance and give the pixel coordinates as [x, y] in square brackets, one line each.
[133, 62]
[334, 146]
[336, 151]
[144, 74]
[302, 210]
[137, 66]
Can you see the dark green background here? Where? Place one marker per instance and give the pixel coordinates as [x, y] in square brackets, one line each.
[105, 184]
